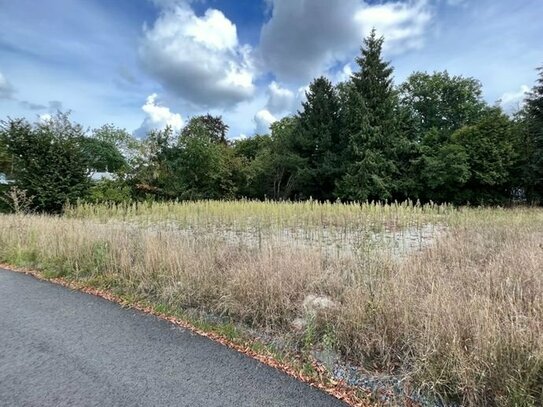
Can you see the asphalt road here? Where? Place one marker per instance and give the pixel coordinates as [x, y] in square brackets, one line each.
[64, 348]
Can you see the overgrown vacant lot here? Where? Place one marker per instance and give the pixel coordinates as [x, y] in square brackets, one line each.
[450, 300]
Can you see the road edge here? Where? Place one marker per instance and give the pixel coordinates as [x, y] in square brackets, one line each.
[338, 390]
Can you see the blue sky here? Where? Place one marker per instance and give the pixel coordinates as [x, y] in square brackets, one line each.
[142, 64]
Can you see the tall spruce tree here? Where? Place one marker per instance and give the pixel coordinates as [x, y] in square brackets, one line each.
[374, 140]
[318, 141]
[533, 168]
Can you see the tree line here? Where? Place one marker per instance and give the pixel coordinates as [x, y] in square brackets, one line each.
[432, 138]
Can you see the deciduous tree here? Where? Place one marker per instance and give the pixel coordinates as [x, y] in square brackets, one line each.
[49, 162]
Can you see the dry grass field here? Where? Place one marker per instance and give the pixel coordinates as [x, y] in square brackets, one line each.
[447, 300]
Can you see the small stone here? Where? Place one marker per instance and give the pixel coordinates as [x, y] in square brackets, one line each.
[313, 304]
[299, 324]
[327, 357]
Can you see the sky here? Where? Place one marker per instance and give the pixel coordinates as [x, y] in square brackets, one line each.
[145, 64]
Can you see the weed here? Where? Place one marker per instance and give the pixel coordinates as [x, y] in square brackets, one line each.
[451, 300]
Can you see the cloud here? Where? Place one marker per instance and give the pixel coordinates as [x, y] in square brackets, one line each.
[55, 105]
[281, 102]
[6, 89]
[304, 39]
[45, 118]
[32, 106]
[280, 99]
[263, 120]
[52, 106]
[403, 23]
[241, 136]
[511, 102]
[344, 74]
[198, 58]
[158, 117]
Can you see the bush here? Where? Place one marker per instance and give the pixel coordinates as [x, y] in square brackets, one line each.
[110, 191]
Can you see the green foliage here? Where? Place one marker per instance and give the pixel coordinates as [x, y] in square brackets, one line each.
[129, 147]
[255, 157]
[285, 164]
[204, 167]
[272, 166]
[442, 102]
[491, 156]
[375, 139]
[434, 107]
[318, 141]
[532, 142]
[48, 160]
[103, 156]
[6, 160]
[5, 206]
[249, 148]
[110, 191]
[209, 126]
[432, 138]
[153, 172]
[193, 165]
[443, 172]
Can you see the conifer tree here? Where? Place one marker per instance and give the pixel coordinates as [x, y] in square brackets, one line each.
[533, 168]
[318, 140]
[374, 140]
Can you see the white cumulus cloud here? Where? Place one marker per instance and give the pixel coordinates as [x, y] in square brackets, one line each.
[197, 58]
[402, 23]
[281, 102]
[513, 101]
[158, 117]
[344, 74]
[304, 39]
[280, 99]
[263, 120]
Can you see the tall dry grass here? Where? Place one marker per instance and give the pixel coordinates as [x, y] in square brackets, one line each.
[462, 317]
